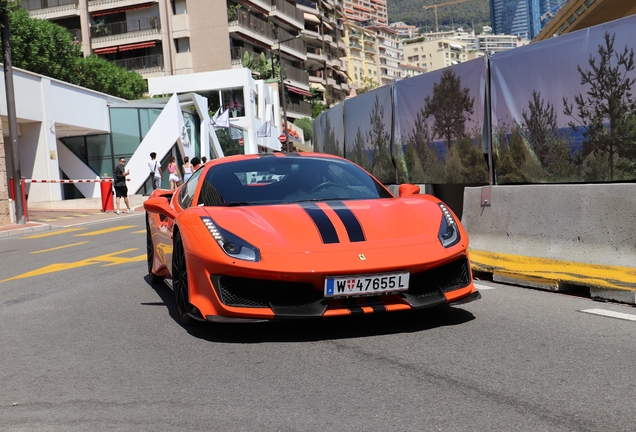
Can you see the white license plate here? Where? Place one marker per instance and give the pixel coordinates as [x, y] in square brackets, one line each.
[360, 285]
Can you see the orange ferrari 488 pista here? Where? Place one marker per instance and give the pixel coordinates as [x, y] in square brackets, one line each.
[287, 235]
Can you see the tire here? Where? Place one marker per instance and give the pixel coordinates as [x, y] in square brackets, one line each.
[150, 255]
[180, 281]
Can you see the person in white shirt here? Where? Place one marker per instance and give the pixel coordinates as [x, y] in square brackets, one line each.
[155, 169]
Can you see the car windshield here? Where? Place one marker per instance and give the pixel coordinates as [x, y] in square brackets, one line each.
[279, 180]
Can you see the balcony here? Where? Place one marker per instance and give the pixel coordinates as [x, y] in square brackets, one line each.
[237, 54]
[316, 77]
[316, 55]
[76, 34]
[293, 47]
[299, 107]
[126, 29]
[297, 76]
[309, 4]
[102, 5]
[253, 27]
[287, 12]
[49, 9]
[142, 65]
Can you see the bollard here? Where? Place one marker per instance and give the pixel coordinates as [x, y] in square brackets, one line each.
[25, 207]
[107, 195]
[24, 197]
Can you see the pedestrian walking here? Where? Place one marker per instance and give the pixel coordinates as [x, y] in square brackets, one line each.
[155, 171]
[187, 168]
[196, 163]
[173, 171]
[121, 190]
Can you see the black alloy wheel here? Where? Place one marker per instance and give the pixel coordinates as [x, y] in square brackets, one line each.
[180, 281]
[150, 254]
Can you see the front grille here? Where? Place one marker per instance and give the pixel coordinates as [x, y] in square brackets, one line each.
[262, 293]
[445, 278]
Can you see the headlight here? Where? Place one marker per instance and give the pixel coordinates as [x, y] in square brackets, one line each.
[232, 245]
[448, 232]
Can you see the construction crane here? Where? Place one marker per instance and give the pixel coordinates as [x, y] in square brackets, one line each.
[435, 6]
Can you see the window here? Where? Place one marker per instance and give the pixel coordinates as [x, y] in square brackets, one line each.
[233, 100]
[187, 192]
[589, 3]
[182, 45]
[580, 11]
[571, 19]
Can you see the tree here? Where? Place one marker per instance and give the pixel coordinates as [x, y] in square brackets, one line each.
[317, 104]
[449, 104]
[101, 75]
[551, 148]
[369, 84]
[381, 165]
[46, 48]
[262, 67]
[42, 47]
[331, 143]
[428, 157]
[358, 155]
[307, 126]
[609, 102]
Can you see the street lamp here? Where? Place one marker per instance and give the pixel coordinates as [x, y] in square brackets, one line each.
[282, 89]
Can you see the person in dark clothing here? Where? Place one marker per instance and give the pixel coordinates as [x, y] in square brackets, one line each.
[121, 190]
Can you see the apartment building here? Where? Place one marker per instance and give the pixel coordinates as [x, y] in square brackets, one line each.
[389, 53]
[362, 56]
[404, 30]
[162, 38]
[364, 11]
[324, 36]
[433, 54]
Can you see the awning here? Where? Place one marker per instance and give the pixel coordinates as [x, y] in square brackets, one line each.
[297, 90]
[137, 46]
[108, 50]
[327, 25]
[122, 9]
[456, 46]
[311, 18]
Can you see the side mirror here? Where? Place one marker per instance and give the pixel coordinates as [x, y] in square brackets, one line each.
[409, 189]
[160, 205]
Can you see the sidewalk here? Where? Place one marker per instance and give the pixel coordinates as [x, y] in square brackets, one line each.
[46, 219]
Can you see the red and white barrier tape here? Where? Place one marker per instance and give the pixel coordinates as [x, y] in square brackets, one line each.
[69, 181]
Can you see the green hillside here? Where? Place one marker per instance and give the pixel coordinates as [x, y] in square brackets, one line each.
[451, 16]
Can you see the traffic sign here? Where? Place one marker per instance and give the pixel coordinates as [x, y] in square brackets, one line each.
[282, 138]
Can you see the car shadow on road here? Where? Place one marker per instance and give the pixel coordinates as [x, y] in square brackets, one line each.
[316, 329]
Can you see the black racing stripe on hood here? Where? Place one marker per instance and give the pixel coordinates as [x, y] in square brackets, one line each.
[325, 227]
[349, 220]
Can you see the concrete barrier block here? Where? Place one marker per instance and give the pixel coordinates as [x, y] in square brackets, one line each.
[573, 234]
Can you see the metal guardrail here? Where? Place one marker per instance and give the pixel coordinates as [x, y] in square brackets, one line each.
[122, 27]
[141, 63]
[32, 5]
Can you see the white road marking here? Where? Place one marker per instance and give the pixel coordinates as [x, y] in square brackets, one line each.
[483, 287]
[610, 314]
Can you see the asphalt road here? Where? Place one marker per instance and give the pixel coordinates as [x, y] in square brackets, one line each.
[88, 344]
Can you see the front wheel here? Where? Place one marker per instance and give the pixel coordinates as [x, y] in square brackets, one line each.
[180, 281]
